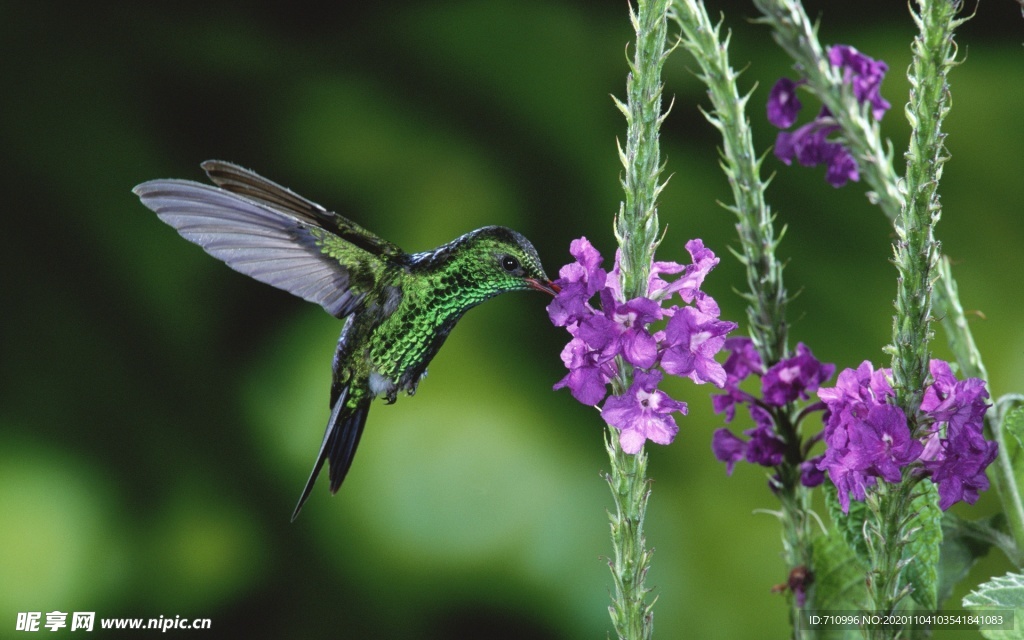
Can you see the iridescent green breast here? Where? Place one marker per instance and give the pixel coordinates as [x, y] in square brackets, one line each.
[404, 343]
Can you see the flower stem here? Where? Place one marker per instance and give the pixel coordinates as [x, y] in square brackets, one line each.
[636, 226]
[796, 34]
[916, 259]
[636, 229]
[631, 615]
[917, 252]
[886, 538]
[767, 297]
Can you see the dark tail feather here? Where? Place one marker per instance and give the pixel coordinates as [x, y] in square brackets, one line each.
[339, 444]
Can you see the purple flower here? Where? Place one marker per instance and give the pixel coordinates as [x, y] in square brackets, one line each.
[807, 144]
[785, 382]
[765, 448]
[842, 168]
[630, 322]
[743, 360]
[882, 444]
[867, 437]
[657, 288]
[614, 282]
[691, 339]
[728, 448]
[810, 144]
[579, 281]
[590, 371]
[726, 403]
[864, 74]
[810, 474]
[794, 377]
[855, 390]
[783, 105]
[619, 327]
[842, 468]
[961, 404]
[959, 471]
[643, 413]
[957, 461]
[688, 284]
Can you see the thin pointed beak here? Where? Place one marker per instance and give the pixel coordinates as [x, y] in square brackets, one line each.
[543, 285]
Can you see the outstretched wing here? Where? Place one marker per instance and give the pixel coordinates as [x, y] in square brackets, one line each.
[250, 184]
[273, 235]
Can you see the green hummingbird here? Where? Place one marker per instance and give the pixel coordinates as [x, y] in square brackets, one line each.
[397, 307]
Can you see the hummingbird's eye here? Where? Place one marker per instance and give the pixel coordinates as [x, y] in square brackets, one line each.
[509, 263]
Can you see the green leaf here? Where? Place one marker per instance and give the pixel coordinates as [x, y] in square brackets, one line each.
[850, 525]
[1013, 424]
[838, 581]
[1004, 592]
[924, 534]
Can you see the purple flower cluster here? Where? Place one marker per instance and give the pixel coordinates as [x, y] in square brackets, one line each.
[620, 328]
[786, 381]
[810, 144]
[863, 74]
[867, 437]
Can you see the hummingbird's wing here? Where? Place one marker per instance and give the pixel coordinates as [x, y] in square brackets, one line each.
[250, 184]
[275, 236]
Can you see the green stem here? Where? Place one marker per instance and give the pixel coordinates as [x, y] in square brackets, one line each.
[636, 229]
[916, 259]
[636, 226]
[631, 614]
[917, 252]
[885, 535]
[767, 297]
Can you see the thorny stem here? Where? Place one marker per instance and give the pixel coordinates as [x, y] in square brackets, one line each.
[636, 229]
[886, 539]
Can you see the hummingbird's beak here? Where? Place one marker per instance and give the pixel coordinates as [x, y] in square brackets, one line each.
[543, 285]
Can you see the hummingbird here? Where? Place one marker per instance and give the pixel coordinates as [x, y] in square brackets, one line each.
[397, 307]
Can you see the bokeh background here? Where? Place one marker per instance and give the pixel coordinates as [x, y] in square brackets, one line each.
[159, 413]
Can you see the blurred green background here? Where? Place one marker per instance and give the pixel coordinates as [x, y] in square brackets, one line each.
[159, 413]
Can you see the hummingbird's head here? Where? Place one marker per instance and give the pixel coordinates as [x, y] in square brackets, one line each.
[498, 259]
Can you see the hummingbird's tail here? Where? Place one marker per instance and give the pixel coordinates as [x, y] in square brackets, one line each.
[339, 444]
